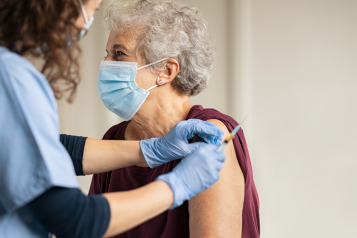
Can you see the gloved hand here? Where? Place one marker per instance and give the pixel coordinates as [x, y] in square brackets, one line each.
[194, 174]
[174, 145]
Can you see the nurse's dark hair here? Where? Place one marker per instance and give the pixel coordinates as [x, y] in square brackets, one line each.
[45, 23]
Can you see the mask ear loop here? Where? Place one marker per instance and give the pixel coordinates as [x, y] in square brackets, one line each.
[152, 87]
[151, 63]
[84, 12]
[148, 66]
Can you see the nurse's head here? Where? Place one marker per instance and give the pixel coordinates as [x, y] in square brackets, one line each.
[48, 29]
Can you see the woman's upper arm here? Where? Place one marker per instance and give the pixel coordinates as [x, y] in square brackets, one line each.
[217, 212]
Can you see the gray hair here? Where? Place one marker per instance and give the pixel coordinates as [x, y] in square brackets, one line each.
[169, 29]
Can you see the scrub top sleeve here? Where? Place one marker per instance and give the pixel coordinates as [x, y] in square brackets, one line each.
[75, 148]
[32, 157]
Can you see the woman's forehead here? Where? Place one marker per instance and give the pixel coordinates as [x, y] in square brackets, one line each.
[126, 39]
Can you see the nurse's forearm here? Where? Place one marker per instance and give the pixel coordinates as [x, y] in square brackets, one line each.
[106, 155]
[131, 208]
[67, 212]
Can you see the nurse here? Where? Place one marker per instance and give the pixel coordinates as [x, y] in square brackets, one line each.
[39, 194]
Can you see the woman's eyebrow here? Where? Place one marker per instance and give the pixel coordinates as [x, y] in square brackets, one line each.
[119, 46]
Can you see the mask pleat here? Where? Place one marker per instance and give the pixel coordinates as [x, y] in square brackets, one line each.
[114, 96]
[109, 86]
[134, 101]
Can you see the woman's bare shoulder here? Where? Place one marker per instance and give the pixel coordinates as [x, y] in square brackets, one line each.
[217, 212]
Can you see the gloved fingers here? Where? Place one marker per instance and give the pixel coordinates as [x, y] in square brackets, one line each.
[219, 166]
[216, 140]
[221, 156]
[203, 128]
[194, 146]
[212, 150]
[216, 163]
[210, 124]
[216, 178]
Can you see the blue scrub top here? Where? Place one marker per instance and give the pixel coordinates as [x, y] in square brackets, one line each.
[32, 158]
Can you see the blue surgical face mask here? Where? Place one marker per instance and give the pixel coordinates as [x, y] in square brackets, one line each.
[88, 23]
[118, 89]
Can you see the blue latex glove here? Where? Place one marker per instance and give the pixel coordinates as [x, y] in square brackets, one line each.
[174, 145]
[194, 174]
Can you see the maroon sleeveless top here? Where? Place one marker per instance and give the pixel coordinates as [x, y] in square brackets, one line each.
[175, 223]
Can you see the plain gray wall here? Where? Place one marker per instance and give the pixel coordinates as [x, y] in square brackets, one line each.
[290, 65]
[304, 64]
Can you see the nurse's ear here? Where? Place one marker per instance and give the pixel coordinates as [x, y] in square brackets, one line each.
[169, 74]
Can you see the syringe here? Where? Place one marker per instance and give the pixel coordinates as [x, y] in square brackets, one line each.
[230, 136]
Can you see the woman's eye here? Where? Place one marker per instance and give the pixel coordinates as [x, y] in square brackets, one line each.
[119, 53]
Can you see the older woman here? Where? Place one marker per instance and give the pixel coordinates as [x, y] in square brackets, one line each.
[158, 56]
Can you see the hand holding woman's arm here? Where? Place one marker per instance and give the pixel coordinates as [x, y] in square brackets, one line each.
[100, 156]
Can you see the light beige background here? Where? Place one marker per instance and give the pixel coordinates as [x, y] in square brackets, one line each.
[290, 65]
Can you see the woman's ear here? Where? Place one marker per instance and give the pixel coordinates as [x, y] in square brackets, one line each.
[169, 74]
